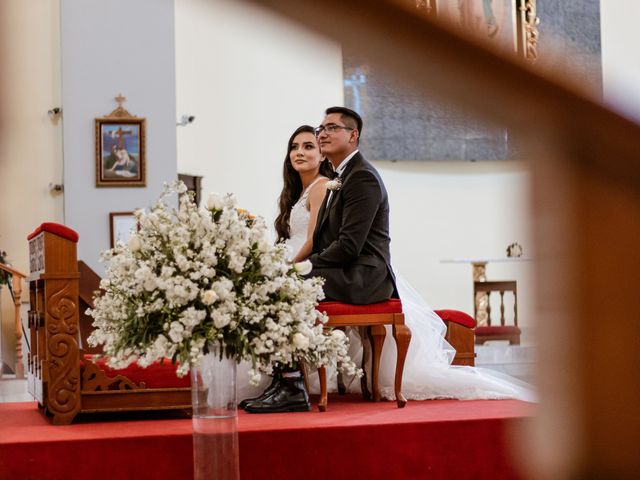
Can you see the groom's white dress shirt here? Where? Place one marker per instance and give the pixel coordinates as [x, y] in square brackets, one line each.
[340, 169]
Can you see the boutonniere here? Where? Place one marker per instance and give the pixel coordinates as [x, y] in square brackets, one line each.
[334, 185]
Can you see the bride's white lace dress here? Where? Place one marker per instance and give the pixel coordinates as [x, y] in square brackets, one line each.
[299, 221]
[428, 373]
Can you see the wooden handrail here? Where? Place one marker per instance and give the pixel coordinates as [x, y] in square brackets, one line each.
[16, 285]
[11, 270]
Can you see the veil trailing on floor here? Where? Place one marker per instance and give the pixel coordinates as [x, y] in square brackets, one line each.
[428, 373]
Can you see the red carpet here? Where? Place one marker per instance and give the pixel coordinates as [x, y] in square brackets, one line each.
[434, 439]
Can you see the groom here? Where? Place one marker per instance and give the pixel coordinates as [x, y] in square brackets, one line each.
[351, 239]
[350, 242]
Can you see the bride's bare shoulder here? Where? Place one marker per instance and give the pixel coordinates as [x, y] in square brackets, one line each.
[316, 194]
[322, 180]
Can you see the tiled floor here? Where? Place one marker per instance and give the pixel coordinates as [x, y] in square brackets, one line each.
[515, 360]
[13, 390]
[518, 361]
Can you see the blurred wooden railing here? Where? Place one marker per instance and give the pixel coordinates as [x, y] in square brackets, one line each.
[16, 286]
[585, 169]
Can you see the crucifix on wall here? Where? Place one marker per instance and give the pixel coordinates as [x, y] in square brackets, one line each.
[120, 133]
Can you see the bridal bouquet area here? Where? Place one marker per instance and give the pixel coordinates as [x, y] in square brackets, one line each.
[195, 279]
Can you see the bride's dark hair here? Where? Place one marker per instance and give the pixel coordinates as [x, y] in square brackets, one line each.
[292, 185]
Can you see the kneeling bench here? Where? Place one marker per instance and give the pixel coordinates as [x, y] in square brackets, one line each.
[155, 387]
[371, 319]
[61, 377]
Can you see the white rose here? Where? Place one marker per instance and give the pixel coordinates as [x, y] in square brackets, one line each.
[208, 297]
[264, 246]
[221, 320]
[134, 243]
[304, 267]
[338, 334]
[215, 202]
[300, 341]
[176, 332]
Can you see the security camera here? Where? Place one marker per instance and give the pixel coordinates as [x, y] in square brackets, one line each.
[54, 111]
[186, 120]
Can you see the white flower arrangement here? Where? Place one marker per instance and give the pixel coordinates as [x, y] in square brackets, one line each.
[194, 277]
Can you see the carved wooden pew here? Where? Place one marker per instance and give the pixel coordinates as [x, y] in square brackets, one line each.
[63, 378]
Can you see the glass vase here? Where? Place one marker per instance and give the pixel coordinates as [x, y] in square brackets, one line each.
[215, 432]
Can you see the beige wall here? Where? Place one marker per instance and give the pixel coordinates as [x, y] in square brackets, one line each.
[620, 61]
[447, 210]
[249, 79]
[30, 142]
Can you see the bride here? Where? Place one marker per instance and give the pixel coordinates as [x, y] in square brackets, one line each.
[428, 373]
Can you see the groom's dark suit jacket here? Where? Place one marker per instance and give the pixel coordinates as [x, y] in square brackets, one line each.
[351, 239]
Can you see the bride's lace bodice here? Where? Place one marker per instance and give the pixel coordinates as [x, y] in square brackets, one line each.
[299, 221]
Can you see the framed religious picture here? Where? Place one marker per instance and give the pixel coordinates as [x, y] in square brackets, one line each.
[121, 226]
[511, 25]
[493, 20]
[120, 149]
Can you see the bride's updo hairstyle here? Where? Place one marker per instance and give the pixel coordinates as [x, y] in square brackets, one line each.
[292, 185]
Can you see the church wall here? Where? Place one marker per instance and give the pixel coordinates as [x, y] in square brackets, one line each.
[120, 46]
[447, 210]
[620, 60]
[30, 141]
[250, 79]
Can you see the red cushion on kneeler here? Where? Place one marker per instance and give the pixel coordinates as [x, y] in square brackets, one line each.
[57, 229]
[338, 308]
[456, 316]
[157, 375]
[497, 330]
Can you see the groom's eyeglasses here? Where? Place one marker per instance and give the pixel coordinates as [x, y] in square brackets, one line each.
[329, 129]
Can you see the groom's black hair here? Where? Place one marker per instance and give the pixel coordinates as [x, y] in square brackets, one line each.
[352, 120]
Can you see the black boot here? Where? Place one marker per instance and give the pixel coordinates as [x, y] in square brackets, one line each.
[267, 392]
[290, 396]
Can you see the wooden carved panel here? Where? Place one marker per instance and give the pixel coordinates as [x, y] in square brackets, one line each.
[62, 369]
[94, 379]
